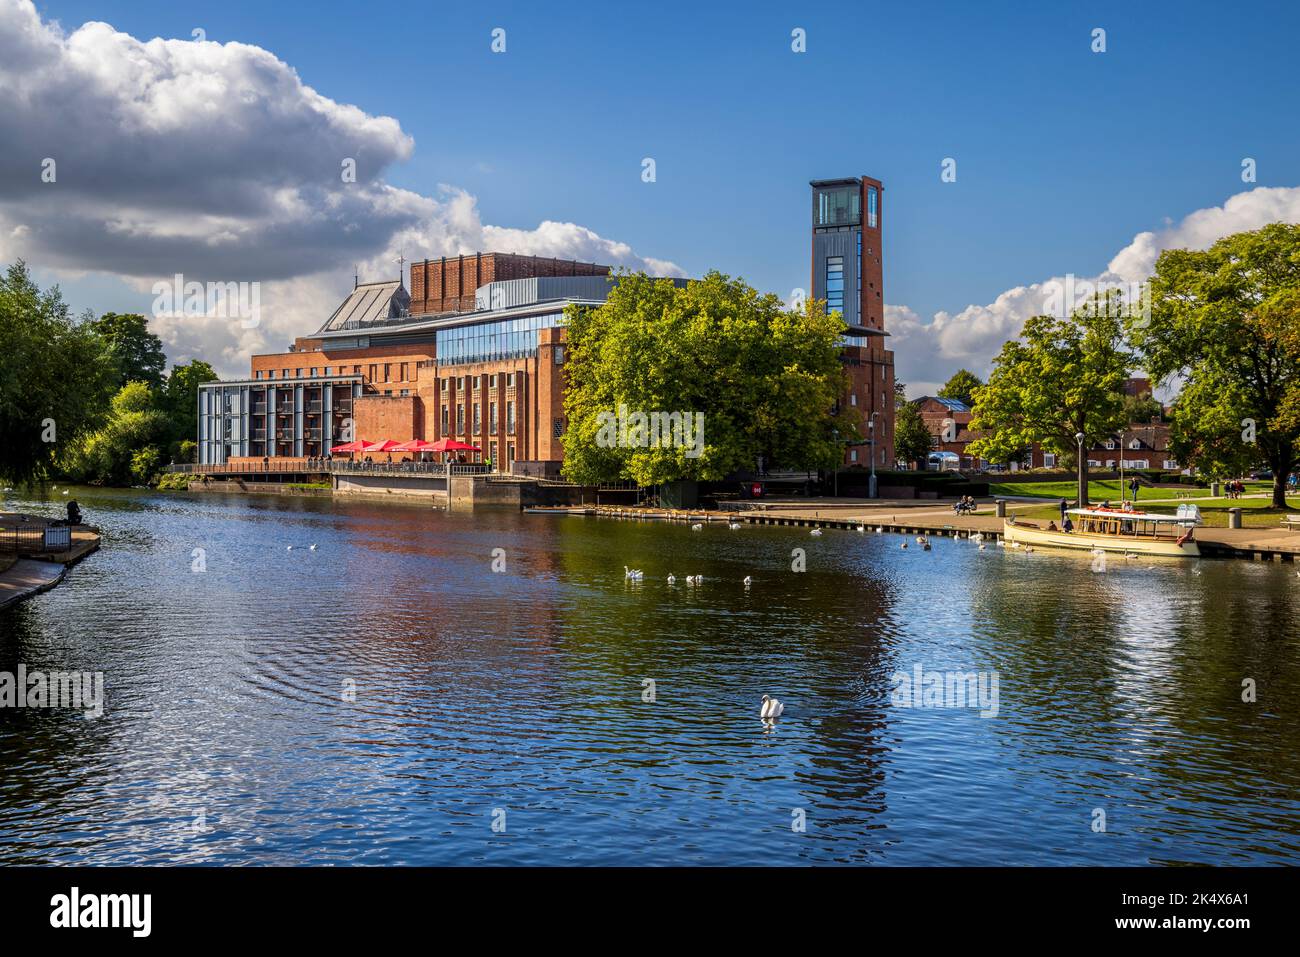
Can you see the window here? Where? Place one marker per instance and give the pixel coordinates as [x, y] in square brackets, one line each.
[285, 373]
[510, 418]
[388, 372]
[839, 206]
[1049, 460]
[834, 284]
[558, 428]
[445, 411]
[493, 341]
[1110, 443]
[510, 380]
[492, 381]
[405, 392]
[478, 422]
[257, 375]
[401, 375]
[559, 355]
[460, 418]
[853, 455]
[297, 373]
[460, 383]
[313, 372]
[356, 370]
[872, 208]
[492, 418]
[327, 370]
[853, 399]
[373, 370]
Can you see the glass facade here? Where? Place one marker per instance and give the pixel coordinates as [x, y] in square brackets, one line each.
[873, 217]
[489, 341]
[835, 284]
[839, 206]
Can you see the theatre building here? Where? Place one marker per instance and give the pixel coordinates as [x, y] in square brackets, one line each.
[472, 352]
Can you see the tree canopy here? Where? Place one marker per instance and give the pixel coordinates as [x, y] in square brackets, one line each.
[1059, 378]
[137, 351]
[1226, 322]
[766, 380]
[961, 386]
[912, 437]
[55, 376]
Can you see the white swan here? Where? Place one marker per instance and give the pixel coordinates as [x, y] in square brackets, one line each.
[288, 548]
[880, 529]
[733, 525]
[632, 573]
[771, 709]
[983, 546]
[312, 546]
[903, 545]
[697, 527]
[672, 579]
[815, 531]
[862, 528]
[748, 581]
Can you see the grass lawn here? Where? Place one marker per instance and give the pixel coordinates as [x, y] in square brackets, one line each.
[1108, 489]
[1255, 511]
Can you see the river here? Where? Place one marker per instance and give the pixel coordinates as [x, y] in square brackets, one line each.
[430, 688]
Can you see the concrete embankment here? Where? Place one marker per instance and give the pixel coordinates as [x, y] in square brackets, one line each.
[35, 568]
[1257, 544]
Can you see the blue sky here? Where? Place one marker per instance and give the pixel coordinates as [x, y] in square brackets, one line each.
[1063, 155]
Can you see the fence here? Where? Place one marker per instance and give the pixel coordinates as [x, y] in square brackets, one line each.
[19, 540]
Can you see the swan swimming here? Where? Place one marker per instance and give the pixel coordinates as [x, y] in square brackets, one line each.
[815, 531]
[672, 579]
[633, 574]
[733, 526]
[748, 581]
[312, 546]
[697, 527]
[771, 709]
[862, 528]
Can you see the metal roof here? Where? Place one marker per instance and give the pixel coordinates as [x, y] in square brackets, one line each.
[370, 302]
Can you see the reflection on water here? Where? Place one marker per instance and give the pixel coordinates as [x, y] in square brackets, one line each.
[230, 736]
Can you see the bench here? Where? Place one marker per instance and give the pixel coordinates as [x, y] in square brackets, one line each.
[1291, 521]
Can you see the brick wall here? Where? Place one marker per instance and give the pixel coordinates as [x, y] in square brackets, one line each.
[378, 417]
[448, 284]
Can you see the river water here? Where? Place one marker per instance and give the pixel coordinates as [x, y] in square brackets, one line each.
[391, 697]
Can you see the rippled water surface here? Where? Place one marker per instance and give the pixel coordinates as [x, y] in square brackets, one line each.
[517, 696]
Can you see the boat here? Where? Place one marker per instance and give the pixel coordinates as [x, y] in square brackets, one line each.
[1115, 530]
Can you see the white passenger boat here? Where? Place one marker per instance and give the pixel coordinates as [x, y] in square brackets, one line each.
[1114, 530]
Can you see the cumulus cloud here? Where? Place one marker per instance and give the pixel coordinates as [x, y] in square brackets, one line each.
[144, 159]
[972, 337]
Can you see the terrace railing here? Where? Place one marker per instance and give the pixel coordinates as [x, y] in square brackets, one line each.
[34, 539]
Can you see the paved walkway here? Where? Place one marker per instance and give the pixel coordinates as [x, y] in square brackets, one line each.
[27, 577]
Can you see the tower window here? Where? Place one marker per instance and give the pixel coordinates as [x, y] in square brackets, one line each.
[873, 218]
[834, 283]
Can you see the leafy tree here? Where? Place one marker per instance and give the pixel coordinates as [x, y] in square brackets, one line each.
[1142, 408]
[1227, 322]
[55, 377]
[765, 379]
[961, 387]
[912, 437]
[137, 351]
[1060, 378]
[180, 398]
[127, 448]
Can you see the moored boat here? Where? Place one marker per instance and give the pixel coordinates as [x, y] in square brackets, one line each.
[1115, 530]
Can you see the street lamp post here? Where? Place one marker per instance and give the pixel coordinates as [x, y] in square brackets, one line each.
[1083, 485]
[871, 482]
[1121, 466]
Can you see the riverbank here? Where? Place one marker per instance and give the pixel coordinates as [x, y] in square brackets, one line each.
[918, 518]
[33, 568]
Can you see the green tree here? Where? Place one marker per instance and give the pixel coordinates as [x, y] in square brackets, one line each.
[765, 379]
[961, 387]
[137, 351]
[912, 437]
[127, 448]
[55, 377]
[1061, 378]
[1226, 321]
[1142, 408]
[180, 398]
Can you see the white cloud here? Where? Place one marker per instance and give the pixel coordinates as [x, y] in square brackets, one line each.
[216, 161]
[927, 353]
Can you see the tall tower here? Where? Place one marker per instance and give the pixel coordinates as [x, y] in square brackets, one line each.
[847, 273]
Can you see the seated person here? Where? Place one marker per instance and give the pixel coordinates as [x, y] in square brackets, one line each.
[1051, 527]
[1067, 525]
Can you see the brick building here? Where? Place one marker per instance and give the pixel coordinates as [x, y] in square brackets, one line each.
[848, 273]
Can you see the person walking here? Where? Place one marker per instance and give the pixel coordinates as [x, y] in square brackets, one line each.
[1064, 506]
